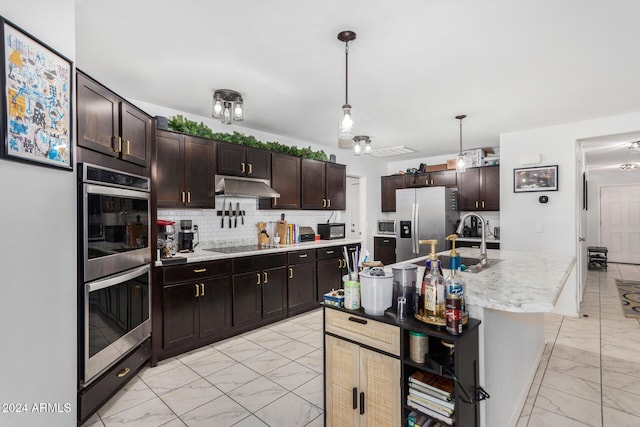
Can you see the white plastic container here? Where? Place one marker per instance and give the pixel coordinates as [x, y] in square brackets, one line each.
[376, 292]
[351, 293]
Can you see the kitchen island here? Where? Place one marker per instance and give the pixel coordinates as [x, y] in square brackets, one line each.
[510, 298]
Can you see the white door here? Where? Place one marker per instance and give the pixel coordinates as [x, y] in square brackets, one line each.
[620, 222]
[353, 208]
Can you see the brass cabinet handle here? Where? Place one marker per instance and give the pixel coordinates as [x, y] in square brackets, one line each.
[124, 372]
[324, 203]
[200, 270]
[188, 196]
[126, 147]
[197, 290]
[266, 278]
[483, 204]
[340, 263]
[116, 140]
[258, 274]
[250, 168]
[275, 201]
[329, 201]
[242, 167]
[202, 292]
[290, 273]
[330, 252]
[476, 204]
[182, 197]
[303, 255]
[385, 241]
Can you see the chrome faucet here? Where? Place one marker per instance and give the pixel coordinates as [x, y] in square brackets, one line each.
[483, 241]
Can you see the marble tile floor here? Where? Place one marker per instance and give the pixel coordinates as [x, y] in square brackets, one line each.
[589, 374]
[271, 376]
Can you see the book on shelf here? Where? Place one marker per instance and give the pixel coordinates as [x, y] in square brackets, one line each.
[448, 404]
[436, 383]
[448, 420]
[430, 392]
[430, 404]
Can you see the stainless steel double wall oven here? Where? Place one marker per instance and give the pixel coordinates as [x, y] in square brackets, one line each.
[115, 287]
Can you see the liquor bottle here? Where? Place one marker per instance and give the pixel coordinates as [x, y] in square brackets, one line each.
[455, 288]
[433, 285]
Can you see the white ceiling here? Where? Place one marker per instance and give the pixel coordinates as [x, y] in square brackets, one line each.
[508, 64]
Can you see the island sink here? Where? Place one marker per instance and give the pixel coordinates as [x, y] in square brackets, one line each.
[472, 264]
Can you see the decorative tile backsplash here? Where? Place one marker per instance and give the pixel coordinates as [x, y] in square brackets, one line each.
[212, 233]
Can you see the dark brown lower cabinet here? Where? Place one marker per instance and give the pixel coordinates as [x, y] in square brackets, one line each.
[384, 250]
[301, 281]
[331, 266]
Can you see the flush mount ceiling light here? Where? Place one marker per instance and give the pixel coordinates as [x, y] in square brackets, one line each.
[629, 166]
[635, 146]
[228, 106]
[460, 161]
[361, 143]
[345, 127]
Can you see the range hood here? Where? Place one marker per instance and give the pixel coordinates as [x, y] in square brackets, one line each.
[244, 187]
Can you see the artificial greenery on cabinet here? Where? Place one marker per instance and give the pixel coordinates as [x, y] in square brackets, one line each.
[181, 124]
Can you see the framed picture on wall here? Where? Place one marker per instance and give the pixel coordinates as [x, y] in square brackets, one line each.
[543, 178]
[36, 101]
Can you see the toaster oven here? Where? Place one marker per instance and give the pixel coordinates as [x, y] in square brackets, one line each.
[331, 231]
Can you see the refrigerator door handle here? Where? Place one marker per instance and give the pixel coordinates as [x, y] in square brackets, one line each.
[414, 228]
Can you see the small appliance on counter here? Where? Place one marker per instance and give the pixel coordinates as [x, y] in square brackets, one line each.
[330, 231]
[166, 238]
[187, 236]
[307, 234]
[387, 226]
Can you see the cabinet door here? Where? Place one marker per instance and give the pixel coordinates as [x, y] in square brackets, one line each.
[136, 129]
[313, 184]
[380, 386]
[469, 190]
[179, 308]
[169, 181]
[301, 289]
[491, 188]
[342, 382]
[389, 184]
[214, 304]
[97, 115]
[232, 159]
[384, 250]
[329, 276]
[417, 180]
[336, 186]
[274, 293]
[285, 171]
[258, 163]
[443, 178]
[247, 298]
[199, 168]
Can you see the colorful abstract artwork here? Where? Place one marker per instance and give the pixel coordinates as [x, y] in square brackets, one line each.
[37, 85]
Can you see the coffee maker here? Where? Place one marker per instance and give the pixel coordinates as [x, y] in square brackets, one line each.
[188, 238]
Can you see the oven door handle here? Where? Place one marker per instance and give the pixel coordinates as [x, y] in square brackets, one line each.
[114, 280]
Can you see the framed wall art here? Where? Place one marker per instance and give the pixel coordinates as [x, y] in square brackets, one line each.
[36, 101]
[543, 178]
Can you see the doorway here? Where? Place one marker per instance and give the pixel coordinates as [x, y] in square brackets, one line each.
[353, 212]
[620, 222]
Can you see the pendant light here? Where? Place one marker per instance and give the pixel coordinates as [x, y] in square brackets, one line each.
[361, 144]
[345, 127]
[460, 162]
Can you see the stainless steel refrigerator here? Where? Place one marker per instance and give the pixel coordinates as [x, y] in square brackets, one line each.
[424, 213]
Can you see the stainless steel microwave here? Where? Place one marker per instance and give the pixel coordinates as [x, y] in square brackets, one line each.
[331, 231]
[387, 226]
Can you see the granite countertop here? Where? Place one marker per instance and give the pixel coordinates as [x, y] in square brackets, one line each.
[521, 282]
[204, 253]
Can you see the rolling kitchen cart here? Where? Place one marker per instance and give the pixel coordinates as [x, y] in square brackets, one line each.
[597, 257]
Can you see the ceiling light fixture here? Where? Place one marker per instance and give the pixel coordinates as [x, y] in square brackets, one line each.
[345, 127]
[228, 106]
[361, 144]
[460, 161]
[629, 166]
[635, 145]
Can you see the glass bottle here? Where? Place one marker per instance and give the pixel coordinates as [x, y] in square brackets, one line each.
[434, 296]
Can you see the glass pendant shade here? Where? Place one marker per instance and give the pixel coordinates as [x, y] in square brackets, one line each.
[357, 148]
[460, 163]
[217, 108]
[345, 130]
[367, 147]
[226, 114]
[238, 111]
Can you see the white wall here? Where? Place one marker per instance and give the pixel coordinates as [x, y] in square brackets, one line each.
[38, 262]
[368, 168]
[521, 213]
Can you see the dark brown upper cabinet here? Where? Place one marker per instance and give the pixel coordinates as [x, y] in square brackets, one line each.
[238, 160]
[185, 171]
[109, 125]
[389, 185]
[479, 189]
[445, 178]
[323, 185]
[285, 179]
